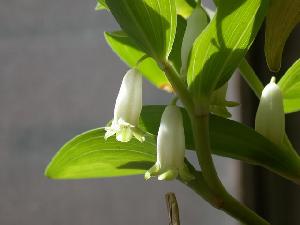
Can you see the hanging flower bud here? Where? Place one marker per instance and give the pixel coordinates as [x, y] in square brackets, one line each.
[127, 109]
[170, 147]
[195, 25]
[269, 120]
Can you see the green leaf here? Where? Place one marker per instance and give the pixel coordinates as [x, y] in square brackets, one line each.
[127, 50]
[185, 8]
[150, 23]
[130, 53]
[221, 46]
[101, 5]
[175, 55]
[89, 156]
[235, 140]
[282, 18]
[290, 86]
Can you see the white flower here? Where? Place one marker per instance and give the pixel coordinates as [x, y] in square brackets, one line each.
[127, 109]
[269, 120]
[195, 25]
[170, 147]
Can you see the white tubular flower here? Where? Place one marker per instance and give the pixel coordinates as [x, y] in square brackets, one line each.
[170, 147]
[127, 109]
[195, 25]
[269, 120]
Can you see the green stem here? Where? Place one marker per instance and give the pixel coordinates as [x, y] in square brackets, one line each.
[200, 128]
[178, 86]
[200, 125]
[228, 204]
[209, 186]
[250, 77]
[224, 201]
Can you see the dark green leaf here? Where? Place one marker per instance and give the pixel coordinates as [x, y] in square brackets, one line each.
[290, 86]
[221, 46]
[150, 23]
[175, 55]
[235, 140]
[282, 17]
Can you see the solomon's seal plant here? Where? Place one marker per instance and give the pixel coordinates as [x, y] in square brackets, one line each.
[181, 47]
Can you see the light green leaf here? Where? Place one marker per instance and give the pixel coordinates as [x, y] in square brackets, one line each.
[150, 23]
[221, 46]
[185, 8]
[101, 5]
[282, 18]
[89, 156]
[290, 86]
[127, 50]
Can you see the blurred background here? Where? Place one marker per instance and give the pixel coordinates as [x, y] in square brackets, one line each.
[58, 78]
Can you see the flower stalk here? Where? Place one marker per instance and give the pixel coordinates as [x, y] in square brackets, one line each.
[209, 186]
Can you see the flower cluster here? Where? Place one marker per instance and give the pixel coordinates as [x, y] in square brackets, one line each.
[170, 138]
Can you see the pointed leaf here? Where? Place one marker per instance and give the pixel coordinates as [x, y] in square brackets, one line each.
[101, 5]
[290, 86]
[150, 23]
[127, 50]
[282, 17]
[221, 46]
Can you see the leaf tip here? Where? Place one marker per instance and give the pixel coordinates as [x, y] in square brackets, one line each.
[166, 87]
[50, 172]
[273, 61]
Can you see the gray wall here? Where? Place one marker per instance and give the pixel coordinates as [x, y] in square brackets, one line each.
[58, 78]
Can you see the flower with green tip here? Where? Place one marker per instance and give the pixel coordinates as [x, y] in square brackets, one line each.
[128, 108]
[170, 147]
[269, 120]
